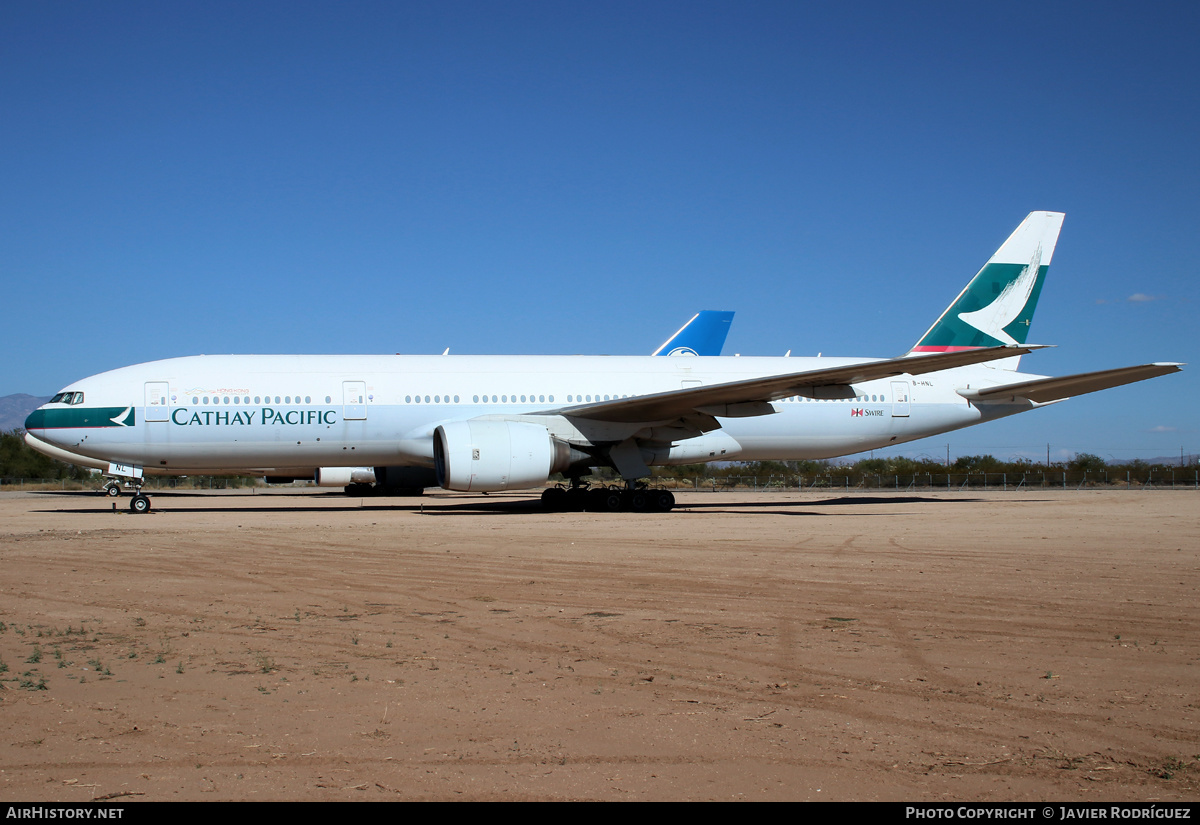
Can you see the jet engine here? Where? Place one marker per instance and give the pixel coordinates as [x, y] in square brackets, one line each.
[487, 456]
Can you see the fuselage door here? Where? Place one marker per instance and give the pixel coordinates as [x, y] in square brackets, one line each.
[157, 398]
[354, 400]
[899, 399]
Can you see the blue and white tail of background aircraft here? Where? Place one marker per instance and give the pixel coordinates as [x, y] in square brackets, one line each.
[508, 422]
[704, 334]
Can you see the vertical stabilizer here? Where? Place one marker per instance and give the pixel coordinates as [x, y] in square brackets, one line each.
[704, 334]
[997, 306]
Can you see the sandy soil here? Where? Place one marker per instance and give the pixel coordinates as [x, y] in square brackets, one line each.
[798, 646]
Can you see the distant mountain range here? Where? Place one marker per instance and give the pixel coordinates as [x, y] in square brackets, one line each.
[14, 409]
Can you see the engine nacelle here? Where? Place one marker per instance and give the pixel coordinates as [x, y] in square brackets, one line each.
[342, 476]
[487, 456]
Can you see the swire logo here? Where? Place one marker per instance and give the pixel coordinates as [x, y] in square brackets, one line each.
[856, 413]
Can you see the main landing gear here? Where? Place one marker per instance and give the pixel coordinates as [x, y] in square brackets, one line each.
[634, 497]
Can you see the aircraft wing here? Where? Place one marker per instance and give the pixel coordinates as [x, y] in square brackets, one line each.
[750, 397]
[1043, 390]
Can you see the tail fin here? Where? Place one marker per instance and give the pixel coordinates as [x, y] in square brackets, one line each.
[997, 306]
[703, 335]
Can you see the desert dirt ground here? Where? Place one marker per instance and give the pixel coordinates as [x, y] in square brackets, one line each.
[1037, 645]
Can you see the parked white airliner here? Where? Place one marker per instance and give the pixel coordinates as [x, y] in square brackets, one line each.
[487, 423]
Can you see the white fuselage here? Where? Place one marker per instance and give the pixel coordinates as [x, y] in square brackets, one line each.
[293, 413]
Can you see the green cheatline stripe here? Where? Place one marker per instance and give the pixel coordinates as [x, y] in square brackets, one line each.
[74, 417]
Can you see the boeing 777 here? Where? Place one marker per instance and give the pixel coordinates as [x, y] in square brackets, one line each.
[494, 422]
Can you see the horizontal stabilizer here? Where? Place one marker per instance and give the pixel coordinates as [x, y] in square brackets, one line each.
[1043, 390]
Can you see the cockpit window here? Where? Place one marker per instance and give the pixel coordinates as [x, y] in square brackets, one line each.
[67, 398]
[78, 399]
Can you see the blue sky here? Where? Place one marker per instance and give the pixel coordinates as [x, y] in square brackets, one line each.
[566, 177]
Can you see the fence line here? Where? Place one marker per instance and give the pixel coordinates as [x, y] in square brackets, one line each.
[152, 483]
[1183, 479]
[1055, 479]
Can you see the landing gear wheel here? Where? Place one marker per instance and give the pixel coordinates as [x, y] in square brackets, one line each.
[595, 499]
[662, 500]
[577, 498]
[139, 504]
[112, 490]
[554, 499]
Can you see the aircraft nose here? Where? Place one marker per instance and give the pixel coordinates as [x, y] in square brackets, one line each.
[36, 420]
